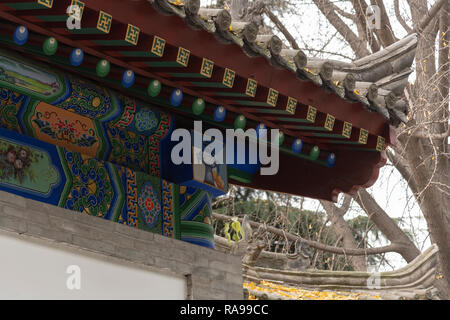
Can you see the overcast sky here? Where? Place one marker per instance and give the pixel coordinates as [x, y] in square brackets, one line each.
[312, 31]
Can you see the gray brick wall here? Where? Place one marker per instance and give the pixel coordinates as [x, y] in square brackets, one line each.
[210, 274]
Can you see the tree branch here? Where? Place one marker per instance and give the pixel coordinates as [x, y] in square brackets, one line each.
[385, 34]
[386, 225]
[433, 136]
[360, 7]
[318, 245]
[282, 28]
[402, 166]
[429, 16]
[342, 229]
[400, 18]
[358, 46]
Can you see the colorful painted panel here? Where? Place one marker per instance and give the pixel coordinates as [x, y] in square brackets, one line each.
[10, 104]
[71, 143]
[16, 74]
[66, 129]
[80, 116]
[195, 214]
[30, 168]
[56, 175]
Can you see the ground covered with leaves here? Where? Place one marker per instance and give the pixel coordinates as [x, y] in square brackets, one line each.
[272, 291]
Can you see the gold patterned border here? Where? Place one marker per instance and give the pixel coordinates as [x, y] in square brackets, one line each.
[183, 56]
[347, 130]
[207, 68]
[158, 46]
[381, 144]
[228, 78]
[363, 136]
[46, 3]
[132, 35]
[272, 97]
[104, 22]
[291, 105]
[329, 122]
[311, 115]
[252, 85]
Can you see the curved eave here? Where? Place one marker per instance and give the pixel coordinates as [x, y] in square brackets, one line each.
[358, 165]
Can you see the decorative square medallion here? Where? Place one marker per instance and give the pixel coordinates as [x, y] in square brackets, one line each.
[329, 122]
[347, 130]
[228, 78]
[381, 144]
[132, 35]
[311, 115]
[104, 22]
[291, 105]
[158, 46]
[207, 68]
[46, 3]
[272, 97]
[183, 56]
[77, 13]
[363, 136]
[251, 88]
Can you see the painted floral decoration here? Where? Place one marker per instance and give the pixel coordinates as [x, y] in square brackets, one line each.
[15, 162]
[149, 204]
[146, 120]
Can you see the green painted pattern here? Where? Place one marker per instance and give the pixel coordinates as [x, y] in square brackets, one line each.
[196, 229]
[329, 135]
[113, 43]
[208, 84]
[187, 75]
[253, 103]
[164, 64]
[25, 5]
[287, 119]
[271, 111]
[54, 18]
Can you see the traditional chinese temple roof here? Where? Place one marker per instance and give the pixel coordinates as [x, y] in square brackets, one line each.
[348, 110]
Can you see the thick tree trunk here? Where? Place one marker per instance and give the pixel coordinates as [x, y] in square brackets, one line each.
[342, 229]
[427, 156]
[387, 226]
[425, 159]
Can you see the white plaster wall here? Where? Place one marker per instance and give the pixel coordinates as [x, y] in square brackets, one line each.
[35, 269]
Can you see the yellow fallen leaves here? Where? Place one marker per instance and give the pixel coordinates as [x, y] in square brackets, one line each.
[298, 293]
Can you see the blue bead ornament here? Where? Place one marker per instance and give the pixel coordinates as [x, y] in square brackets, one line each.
[297, 146]
[331, 160]
[176, 97]
[76, 57]
[128, 78]
[20, 35]
[261, 130]
[220, 113]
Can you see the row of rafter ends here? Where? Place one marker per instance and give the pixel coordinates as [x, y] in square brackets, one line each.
[376, 81]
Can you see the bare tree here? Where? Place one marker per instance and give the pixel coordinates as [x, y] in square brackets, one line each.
[422, 155]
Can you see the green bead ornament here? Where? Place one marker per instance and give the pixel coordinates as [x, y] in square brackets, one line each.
[50, 46]
[240, 122]
[315, 152]
[154, 88]
[198, 106]
[103, 67]
[280, 138]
